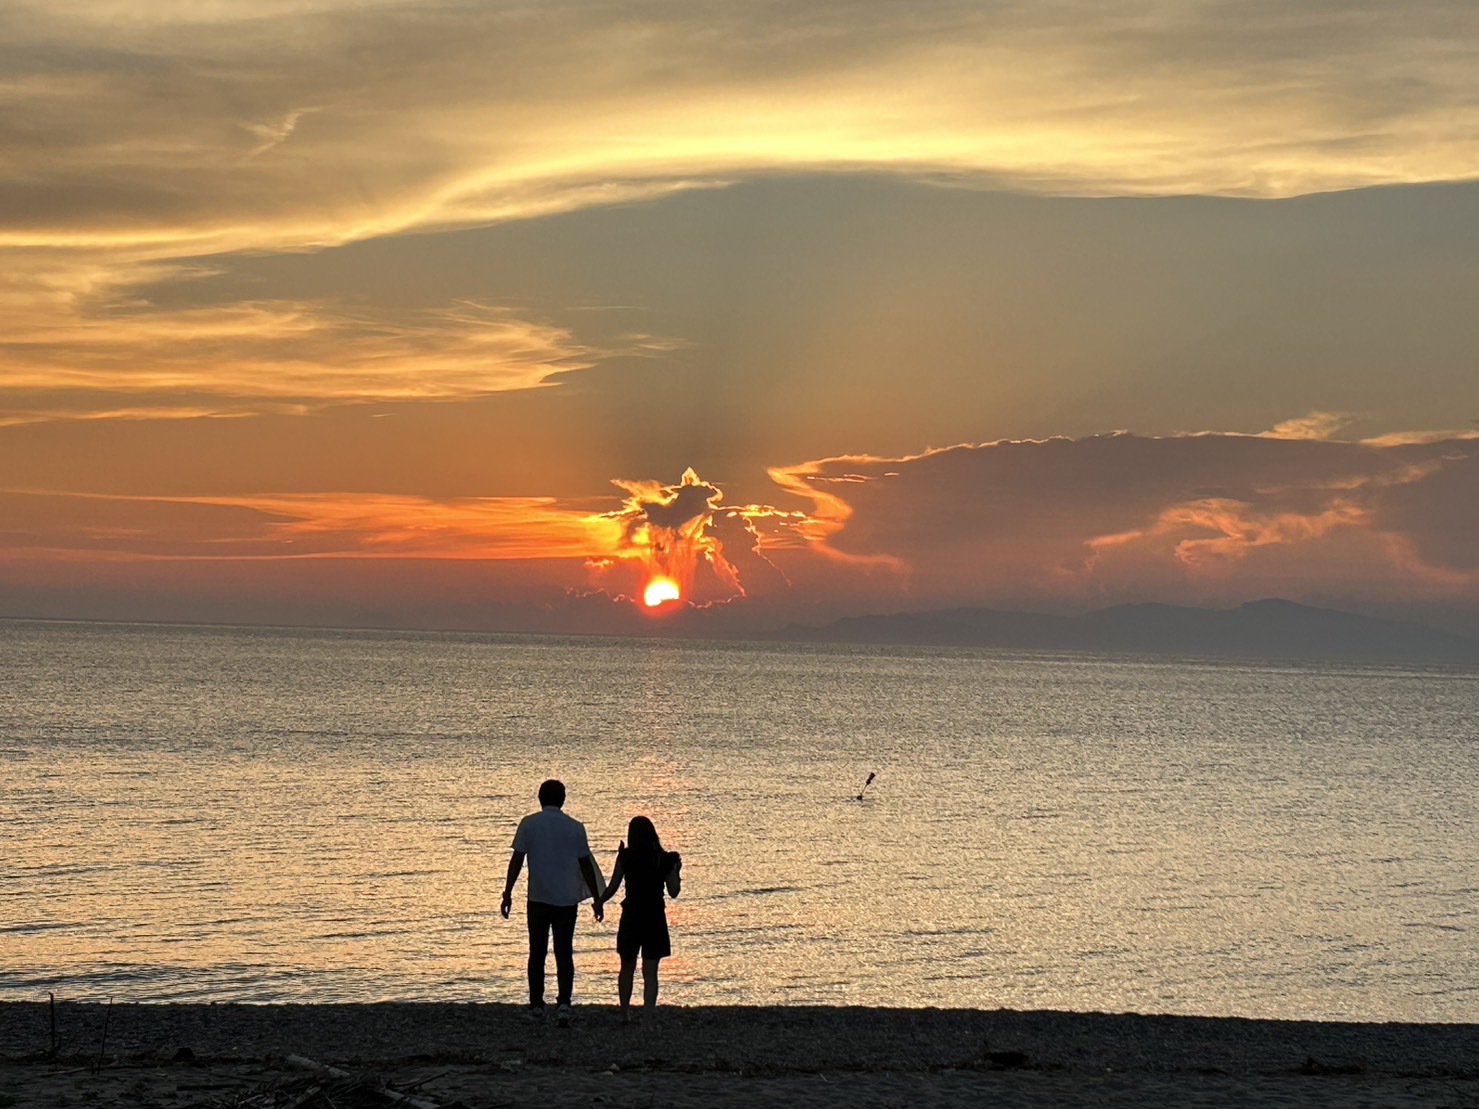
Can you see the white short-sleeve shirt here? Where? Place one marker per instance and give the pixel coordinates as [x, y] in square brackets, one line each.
[553, 844]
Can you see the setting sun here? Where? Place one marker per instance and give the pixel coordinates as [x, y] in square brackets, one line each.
[659, 590]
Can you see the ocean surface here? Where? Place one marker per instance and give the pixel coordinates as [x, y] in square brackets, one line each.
[194, 813]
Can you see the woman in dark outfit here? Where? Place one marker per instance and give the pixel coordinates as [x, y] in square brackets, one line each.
[647, 869]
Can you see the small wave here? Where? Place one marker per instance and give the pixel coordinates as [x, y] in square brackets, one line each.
[1169, 907]
[927, 933]
[733, 933]
[48, 926]
[60, 870]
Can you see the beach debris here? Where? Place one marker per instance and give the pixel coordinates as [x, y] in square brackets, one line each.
[871, 775]
[1005, 1060]
[326, 1087]
[103, 1043]
[375, 1087]
[1314, 1066]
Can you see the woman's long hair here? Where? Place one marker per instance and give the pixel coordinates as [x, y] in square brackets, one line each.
[642, 837]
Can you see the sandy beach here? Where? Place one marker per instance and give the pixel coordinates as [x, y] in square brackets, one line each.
[482, 1056]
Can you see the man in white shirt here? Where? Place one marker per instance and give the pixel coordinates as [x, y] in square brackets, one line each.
[562, 874]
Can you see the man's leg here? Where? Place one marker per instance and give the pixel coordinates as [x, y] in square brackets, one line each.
[538, 914]
[562, 923]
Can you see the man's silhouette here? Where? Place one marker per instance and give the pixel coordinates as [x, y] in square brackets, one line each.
[561, 876]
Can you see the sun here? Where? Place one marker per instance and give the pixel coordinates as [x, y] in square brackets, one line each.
[660, 590]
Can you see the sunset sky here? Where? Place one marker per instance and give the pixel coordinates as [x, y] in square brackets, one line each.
[484, 315]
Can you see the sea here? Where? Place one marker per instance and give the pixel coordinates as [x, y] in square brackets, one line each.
[287, 815]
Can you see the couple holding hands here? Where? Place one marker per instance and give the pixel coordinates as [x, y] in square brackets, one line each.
[563, 873]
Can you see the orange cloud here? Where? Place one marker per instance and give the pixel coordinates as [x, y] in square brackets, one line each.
[1237, 528]
[400, 527]
[830, 511]
[307, 526]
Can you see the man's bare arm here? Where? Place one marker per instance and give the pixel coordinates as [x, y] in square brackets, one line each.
[515, 865]
[588, 872]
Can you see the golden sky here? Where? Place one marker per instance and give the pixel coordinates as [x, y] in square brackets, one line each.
[486, 314]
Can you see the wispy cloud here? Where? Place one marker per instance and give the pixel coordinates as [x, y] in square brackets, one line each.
[1314, 425]
[274, 132]
[269, 356]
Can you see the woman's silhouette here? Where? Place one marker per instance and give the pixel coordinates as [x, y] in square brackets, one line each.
[647, 870]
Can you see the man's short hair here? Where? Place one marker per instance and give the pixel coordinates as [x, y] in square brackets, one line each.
[552, 792]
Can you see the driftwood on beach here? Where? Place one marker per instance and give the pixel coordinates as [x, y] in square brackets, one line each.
[374, 1088]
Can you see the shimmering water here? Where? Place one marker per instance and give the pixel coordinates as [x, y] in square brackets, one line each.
[206, 813]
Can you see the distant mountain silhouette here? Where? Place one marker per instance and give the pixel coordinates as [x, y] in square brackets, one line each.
[1259, 629]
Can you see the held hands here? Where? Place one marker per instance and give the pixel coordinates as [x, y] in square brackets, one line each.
[596, 908]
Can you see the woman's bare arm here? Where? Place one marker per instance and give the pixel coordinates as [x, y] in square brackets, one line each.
[617, 874]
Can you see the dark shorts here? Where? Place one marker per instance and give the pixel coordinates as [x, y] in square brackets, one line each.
[643, 930]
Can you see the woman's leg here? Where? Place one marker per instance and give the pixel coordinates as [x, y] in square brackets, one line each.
[649, 983]
[624, 983]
